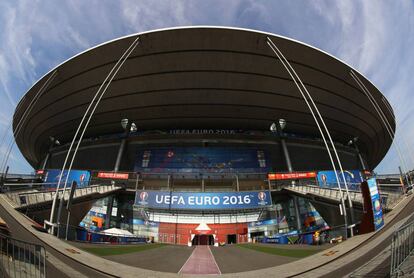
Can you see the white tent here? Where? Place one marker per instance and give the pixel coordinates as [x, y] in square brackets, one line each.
[203, 227]
[117, 232]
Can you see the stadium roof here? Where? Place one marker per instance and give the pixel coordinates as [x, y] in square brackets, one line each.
[203, 77]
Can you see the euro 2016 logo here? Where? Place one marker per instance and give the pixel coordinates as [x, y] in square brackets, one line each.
[262, 197]
[143, 197]
[377, 205]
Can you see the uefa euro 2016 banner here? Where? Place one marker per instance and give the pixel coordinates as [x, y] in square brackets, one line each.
[328, 179]
[202, 200]
[80, 176]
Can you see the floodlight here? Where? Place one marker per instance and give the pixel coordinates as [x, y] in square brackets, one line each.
[124, 123]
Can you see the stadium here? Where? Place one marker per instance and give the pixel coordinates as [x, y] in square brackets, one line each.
[203, 128]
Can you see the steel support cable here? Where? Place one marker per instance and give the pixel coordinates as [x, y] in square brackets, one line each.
[319, 128]
[375, 104]
[24, 117]
[389, 108]
[321, 119]
[111, 76]
[326, 130]
[127, 52]
[11, 122]
[383, 118]
[79, 127]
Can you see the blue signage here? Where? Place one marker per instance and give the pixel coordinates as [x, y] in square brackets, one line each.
[201, 160]
[263, 223]
[141, 222]
[81, 177]
[376, 204]
[202, 200]
[328, 179]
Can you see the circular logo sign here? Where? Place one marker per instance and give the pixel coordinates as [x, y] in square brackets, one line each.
[377, 205]
[143, 196]
[324, 179]
[261, 195]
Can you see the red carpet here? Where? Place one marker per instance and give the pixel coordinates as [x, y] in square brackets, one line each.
[201, 261]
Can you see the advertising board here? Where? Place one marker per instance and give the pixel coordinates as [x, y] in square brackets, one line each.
[202, 200]
[201, 160]
[80, 176]
[291, 176]
[376, 203]
[328, 179]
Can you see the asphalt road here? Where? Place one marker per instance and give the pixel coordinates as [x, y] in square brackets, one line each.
[352, 266]
[21, 233]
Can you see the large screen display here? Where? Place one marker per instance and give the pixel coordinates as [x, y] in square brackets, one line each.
[52, 178]
[201, 160]
[202, 200]
[328, 179]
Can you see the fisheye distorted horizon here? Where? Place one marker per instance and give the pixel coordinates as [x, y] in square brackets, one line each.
[374, 37]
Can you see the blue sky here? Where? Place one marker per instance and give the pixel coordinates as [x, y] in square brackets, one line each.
[375, 37]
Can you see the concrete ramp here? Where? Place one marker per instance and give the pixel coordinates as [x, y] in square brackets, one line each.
[35, 198]
[326, 201]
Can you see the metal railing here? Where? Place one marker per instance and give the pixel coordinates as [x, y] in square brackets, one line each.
[21, 259]
[35, 197]
[402, 246]
[331, 193]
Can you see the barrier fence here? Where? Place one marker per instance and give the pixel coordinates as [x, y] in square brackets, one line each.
[21, 259]
[402, 246]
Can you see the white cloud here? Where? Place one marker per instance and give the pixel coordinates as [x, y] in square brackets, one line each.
[375, 37]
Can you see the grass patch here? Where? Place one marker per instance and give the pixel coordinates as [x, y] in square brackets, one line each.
[120, 250]
[295, 253]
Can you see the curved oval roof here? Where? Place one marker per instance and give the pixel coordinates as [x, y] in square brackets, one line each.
[203, 77]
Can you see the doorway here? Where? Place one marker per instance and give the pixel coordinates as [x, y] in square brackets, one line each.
[257, 236]
[231, 239]
[203, 240]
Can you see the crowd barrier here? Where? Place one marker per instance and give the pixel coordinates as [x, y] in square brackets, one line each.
[402, 247]
[21, 259]
[83, 235]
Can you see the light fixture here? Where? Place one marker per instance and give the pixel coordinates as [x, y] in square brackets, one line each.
[133, 127]
[124, 123]
[282, 124]
[273, 127]
[352, 141]
[54, 141]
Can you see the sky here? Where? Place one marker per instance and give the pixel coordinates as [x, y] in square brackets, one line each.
[373, 36]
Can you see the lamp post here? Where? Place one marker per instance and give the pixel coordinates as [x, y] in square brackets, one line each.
[278, 127]
[53, 142]
[128, 128]
[353, 142]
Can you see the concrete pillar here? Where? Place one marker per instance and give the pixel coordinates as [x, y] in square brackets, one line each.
[286, 154]
[45, 161]
[361, 160]
[119, 156]
[109, 207]
[237, 183]
[297, 212]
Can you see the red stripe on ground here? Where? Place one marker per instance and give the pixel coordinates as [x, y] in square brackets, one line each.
[201, 261]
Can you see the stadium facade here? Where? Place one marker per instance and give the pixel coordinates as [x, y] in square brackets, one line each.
[185, 127]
